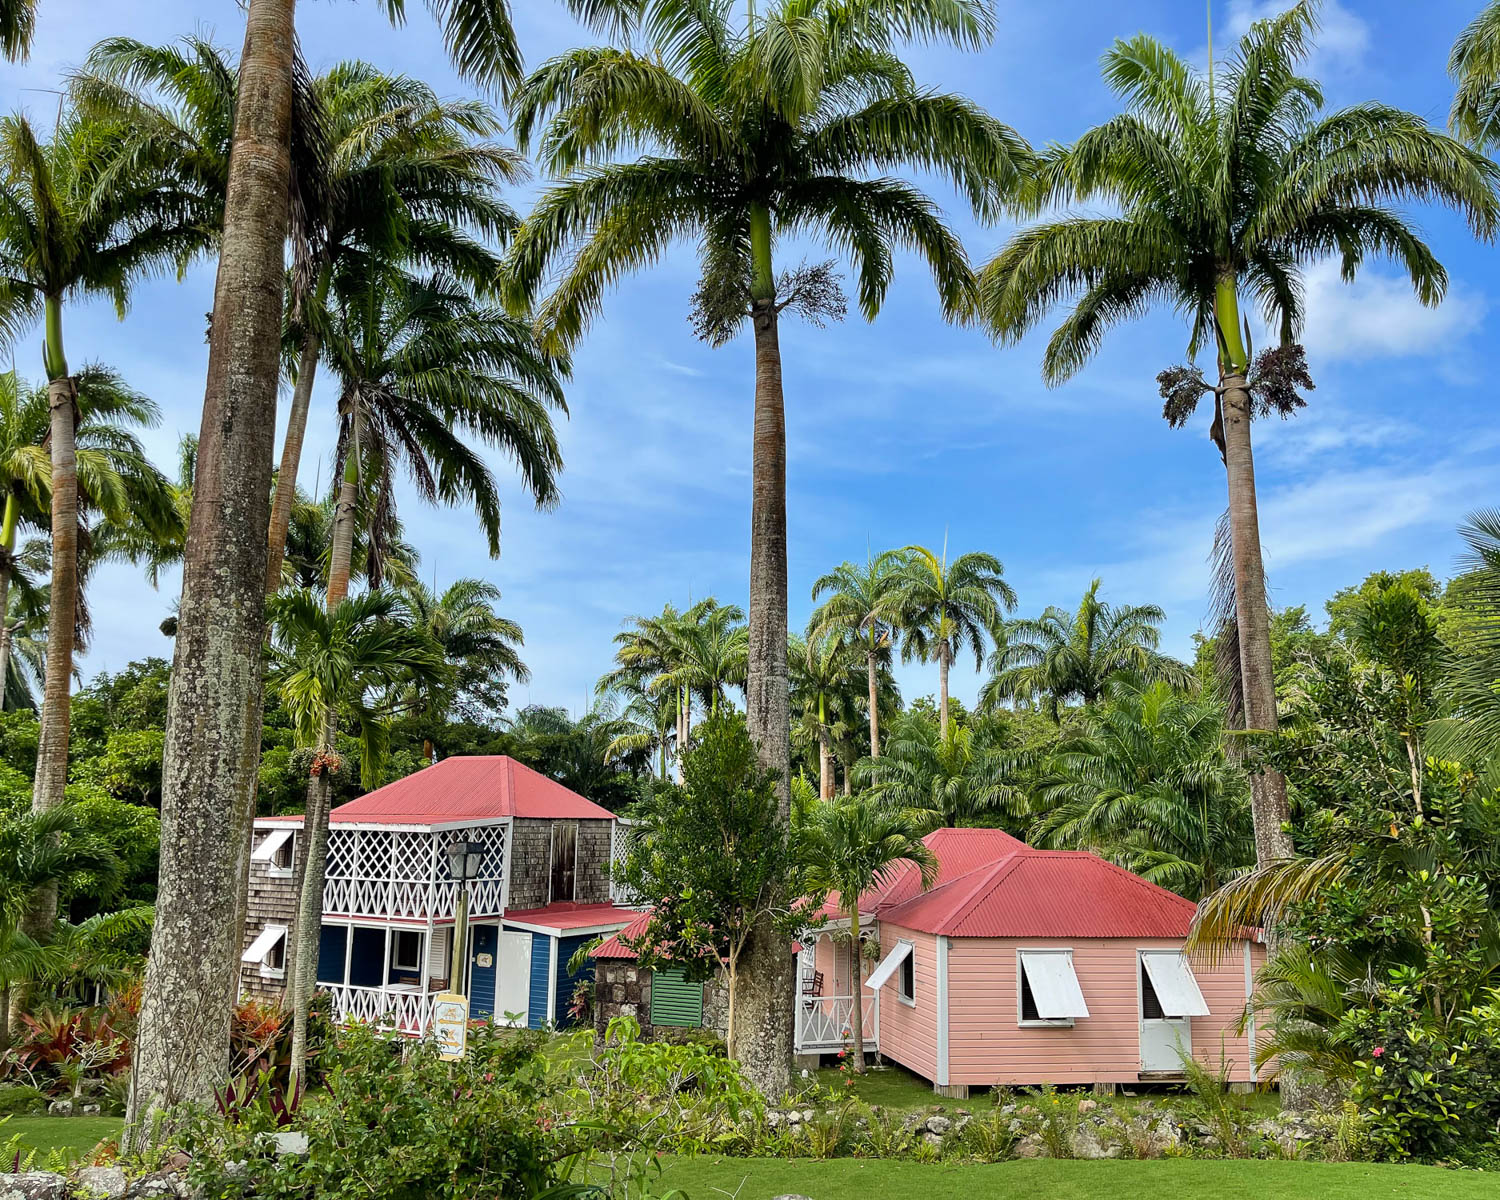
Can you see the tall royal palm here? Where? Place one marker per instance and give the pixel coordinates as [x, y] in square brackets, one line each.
[823, 697]
[861, 604]
[949, 608]
[755, 133]
[63, 237]
[1475, 68]
[17, 24]
[216, 678]
[1062, 656]
[1228, 190]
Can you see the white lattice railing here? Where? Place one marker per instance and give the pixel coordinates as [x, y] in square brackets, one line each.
[405, 1012]
[823, 1022]
[399, 873]
[622, 835]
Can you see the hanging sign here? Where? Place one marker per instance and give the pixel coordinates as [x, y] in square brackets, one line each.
[450, 1024]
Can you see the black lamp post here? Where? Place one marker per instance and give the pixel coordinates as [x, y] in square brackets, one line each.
[464, 861]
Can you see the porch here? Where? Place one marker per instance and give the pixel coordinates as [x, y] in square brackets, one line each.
[384, 974]
[827, 969]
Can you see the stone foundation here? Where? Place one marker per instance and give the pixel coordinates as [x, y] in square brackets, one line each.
[623, 989]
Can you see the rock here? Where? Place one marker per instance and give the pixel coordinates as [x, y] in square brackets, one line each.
[290, 1141]
[1029, 1146]
[794, 1117]
[1086, 1145]
[791, 1196]
[912, 1120]
[60, 1108]
[935, 1140]
[773, 1120]
[34, 1185]
[962, 1123]
[939, 1125]
[1128, 1092]
[91, 1110]
[163, 1183]
[1007, 1109]
[178, 1161]
[108, 1183]
[808, 1114]
[962, 1112]
[1087, 1106]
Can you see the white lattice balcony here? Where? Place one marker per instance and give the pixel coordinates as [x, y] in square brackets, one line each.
[390, 873]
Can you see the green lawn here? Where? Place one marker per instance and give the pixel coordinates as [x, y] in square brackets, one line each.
[74, 1136]
[1047, 1179]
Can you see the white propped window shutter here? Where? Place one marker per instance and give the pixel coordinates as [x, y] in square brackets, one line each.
[881, 975]
[1172, 978]
[1054, 984]
[266, 851]
[261, 946]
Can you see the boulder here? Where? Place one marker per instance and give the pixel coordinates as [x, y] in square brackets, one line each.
[935, 1140]
[60, 1108]
[1087, 1106]
[289, 1141]
[102, 1183]
[939, 1125]
[1030, 1146]
[34, 1185]
[808, 1114]
[163, 1183]
[91, 1110]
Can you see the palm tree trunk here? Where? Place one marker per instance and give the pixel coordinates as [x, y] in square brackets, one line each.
[825, 767]
[309, 925]
[943, 692]
[7, 566]
[1268, 788]
[214, 711]
[856, 1010]
[764, 1035]
[874, 710]
[52, 750]
[291, 451]
[341, 555]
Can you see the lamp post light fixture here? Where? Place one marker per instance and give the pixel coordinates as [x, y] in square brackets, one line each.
[464, 862]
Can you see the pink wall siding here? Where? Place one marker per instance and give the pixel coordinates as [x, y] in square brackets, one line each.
[908, 1033]
[987, 1046]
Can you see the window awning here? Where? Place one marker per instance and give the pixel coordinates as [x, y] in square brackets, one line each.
[1054, 985]
[274, 841]
[1172, 979]
[263, 943]
[881, 975]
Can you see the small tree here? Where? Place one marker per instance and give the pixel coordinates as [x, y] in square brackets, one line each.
[717, 859]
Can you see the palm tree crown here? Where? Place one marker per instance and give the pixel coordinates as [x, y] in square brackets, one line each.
[1061, 656]
[862, 605]
[1475, 68]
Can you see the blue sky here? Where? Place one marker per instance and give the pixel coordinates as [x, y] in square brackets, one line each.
[906, 429]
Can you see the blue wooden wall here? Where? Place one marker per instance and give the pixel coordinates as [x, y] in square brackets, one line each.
[541, 961]
[565, 981]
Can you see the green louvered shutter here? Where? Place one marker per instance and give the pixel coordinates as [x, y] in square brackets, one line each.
[674, 1001]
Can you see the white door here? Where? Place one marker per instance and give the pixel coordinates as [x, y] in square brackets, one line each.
[1165, 1041]
[513, 979]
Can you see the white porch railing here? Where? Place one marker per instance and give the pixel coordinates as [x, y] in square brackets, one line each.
[823, 1022]
[405, 1011]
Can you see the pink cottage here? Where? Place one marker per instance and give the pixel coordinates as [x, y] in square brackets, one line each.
[1019, 966]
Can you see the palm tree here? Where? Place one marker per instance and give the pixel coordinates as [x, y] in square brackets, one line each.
[941, 779]
[325, 661]
[948, 608]
[823, 697]
[422, 371]
[482, 648]
[1146, 784]
[1061, 656]
[64, 237]
[1228, 186]
[23, 638]
[1475, 68]
[17, 25]
[707, 656]
[862, 605]
[851, 845]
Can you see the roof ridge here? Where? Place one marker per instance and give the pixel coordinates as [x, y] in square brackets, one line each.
[1154, 888]
[983, 889]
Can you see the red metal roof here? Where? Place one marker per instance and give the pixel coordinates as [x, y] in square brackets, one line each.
[615, 947]
[958, 851]
[468, 788]
[1046, 893]
[567, 914]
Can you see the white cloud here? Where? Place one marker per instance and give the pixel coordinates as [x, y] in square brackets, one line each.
[1343, 39]
[1378, 316]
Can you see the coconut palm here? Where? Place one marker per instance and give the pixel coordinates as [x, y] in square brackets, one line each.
[482, 648]
[1224, 188]
[862, 605]
[849, 846]
[940, 780]
[324, 663]
[1146, 784]
[17, 25]
[63, 237]
[949, 608]
[1475, 68]
[1062, 656]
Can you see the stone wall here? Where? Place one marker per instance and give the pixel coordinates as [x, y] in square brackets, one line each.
[623, 989]
[272, 901]
[531, 862]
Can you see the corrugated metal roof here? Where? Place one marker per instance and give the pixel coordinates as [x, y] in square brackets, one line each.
[568, 914]
[1046, 893]
[615, 947]
[468, 788]
[958, 851]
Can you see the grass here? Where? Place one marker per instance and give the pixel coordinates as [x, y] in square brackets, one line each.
[706, 1178]
[72, 1136]
[897, 1089]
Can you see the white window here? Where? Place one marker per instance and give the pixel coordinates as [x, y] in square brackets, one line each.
[1168, 989]
[269, 950]
[406, 950]
[275, 850]
[900, 964]
[1047, 990]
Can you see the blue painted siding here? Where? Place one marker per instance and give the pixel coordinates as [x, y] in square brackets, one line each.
[331, 943]
[541, 962]
[368, 960]
[484, 939]
[565, 981]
